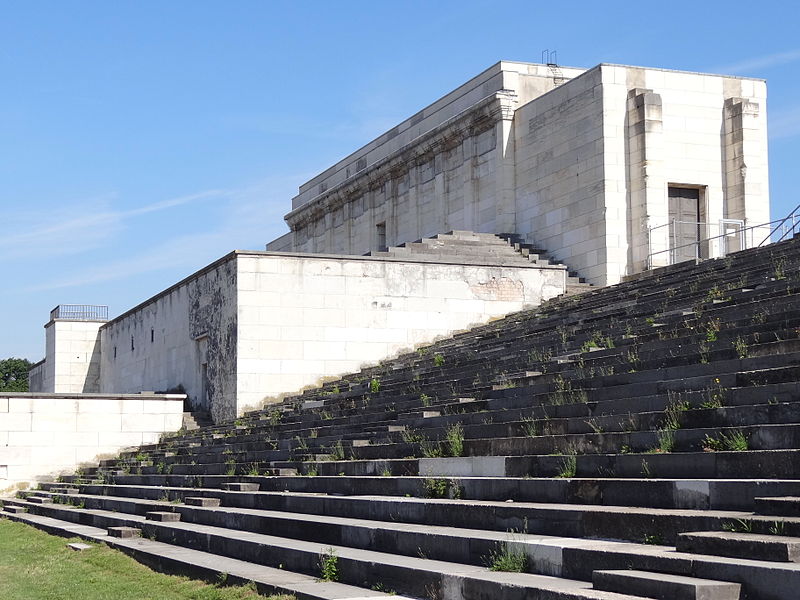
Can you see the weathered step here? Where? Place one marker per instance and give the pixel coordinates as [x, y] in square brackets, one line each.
[241, 487]
[420, 577]
[124, 532]
[740, 545]
[203, 502]
[39, 499]
[15, 509]
[196, 563]
[664, 586]
[785, 506]
[163, 516]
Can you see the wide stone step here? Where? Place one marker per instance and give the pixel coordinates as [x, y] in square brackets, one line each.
[786, 506]
[721, 494]
[576, 521]
[664, 586]
[212, 567]
[579, 557]
[741, 545]
[413, 575]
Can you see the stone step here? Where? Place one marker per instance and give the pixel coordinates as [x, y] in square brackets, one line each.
[579, 557]
[741, 545]
[14, 509]
[438, 508]
[213, 567]
[163, 516]
[200, 501]
[412, 575]
[124, 532]
[665, 586]
[785, 506]
[40, 499]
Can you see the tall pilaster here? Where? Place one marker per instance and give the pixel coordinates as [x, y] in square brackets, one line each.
[646, 184]
[505, 175]
[746, 187]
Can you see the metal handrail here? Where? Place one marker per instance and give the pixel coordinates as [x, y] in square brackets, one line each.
[791, 215]
[80, 312]
[738, 230]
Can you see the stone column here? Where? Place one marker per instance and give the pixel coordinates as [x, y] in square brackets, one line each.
[505, 176]
[647, 188]
[746, 190]
[469, 183]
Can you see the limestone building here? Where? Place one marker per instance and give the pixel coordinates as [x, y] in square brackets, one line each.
[612, 170]
[592, 165]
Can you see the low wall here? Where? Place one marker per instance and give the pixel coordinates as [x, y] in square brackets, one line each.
[45, 435]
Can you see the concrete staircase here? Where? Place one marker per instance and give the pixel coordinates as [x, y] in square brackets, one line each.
[468, 247]
[636, 441]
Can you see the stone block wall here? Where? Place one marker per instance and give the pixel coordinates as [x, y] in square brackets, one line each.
[183, 339]
[580, 164]
[44, 435]
[302, 318]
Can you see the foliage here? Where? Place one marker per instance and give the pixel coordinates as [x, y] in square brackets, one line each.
[735, 441]
[435, 487]
[738, 526]
[569, 466]
[740, 347]
[374, 385]
[329, 565]
[455, 439]
[14, 374]
[505, 558]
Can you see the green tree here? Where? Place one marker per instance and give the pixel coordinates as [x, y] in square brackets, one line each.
[14, 374]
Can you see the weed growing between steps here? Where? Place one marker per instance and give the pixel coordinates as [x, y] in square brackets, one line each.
[506, 558]
[328, 565]
[735, 441]
[35, 565]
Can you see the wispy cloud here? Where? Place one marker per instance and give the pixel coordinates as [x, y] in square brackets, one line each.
[77, 227]
[253, 216]
[760, 63]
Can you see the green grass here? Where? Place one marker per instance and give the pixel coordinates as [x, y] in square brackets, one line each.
[38, 566]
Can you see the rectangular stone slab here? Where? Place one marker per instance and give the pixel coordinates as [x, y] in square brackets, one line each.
[663, 586]
[39, 499]
[204, 502]
[241, 487]
[124, 532]
[786, 506]
[740, 545]
[162, 515]
[78, 546]
[15, 509]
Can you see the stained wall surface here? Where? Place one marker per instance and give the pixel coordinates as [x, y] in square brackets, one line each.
[302, 318]
[182, 340]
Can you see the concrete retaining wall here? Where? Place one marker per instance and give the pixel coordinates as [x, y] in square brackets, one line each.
[304, 317]
[44, 435]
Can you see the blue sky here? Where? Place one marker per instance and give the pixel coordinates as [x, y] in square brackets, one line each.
[141, 140]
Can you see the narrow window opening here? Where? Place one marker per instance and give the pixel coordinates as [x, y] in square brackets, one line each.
[115, 352]
[152, 335]
[131, 343]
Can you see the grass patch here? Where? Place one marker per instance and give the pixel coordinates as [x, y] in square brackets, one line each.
[38, 566]
[505, 558]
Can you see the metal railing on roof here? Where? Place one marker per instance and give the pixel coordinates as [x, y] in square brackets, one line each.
[80, 312]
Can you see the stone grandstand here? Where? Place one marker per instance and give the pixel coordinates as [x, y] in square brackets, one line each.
[635, 441]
